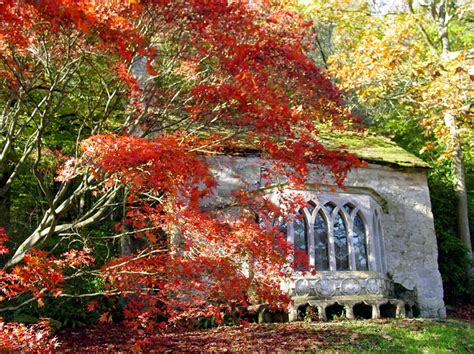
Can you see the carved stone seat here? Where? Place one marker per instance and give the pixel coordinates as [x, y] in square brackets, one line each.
[348, 289]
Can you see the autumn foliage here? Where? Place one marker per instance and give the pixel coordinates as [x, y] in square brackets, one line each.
[19, 337]
[243, 76]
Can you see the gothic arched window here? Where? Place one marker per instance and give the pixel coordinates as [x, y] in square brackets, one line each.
[334, 237]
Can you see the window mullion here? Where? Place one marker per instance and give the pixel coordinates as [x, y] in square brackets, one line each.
[350, 243]
[311, 249]
[290, 238]
[332, 249]
[309, 220]
[372, 246]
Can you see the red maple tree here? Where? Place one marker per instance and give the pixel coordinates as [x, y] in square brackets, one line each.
[248, 80]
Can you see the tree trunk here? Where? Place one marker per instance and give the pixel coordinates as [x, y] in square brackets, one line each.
[126, 245]
[457, 161]
[460, 189]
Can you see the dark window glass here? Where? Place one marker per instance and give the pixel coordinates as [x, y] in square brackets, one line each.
[301, 244]
[330, 207]
[348, 208]
[360, 243]
[281, 225]
[310, 207]
[340, 243]
[321, 243]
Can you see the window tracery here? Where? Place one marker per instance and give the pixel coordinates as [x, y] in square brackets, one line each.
[337, 235]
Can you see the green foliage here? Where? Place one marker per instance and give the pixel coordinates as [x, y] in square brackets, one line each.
[452, 254]
[311, 314]
[205, 322]
[65, 311]
[210, 322]
[72, 310]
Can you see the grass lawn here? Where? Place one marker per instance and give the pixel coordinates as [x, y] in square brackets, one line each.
[378, 336]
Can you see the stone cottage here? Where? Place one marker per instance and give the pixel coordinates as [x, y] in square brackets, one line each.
[373, 244]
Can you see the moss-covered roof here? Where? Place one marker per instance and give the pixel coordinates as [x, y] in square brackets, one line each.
[375, 149]
[371, 148]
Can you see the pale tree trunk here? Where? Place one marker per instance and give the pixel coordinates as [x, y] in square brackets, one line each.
[125, 240]
[50, 225]
[440, 13]
[460, 188]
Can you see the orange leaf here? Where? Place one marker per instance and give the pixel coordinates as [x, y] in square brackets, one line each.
[105, 317]
[92, 305]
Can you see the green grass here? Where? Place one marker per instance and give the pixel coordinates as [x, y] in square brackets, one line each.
[398, 336]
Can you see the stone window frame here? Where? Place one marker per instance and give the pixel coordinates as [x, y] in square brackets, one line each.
[371, 214]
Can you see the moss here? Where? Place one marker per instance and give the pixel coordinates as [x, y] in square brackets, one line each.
[372, 149]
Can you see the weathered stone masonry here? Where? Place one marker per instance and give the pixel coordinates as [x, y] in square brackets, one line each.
[411, 252]
[402, 255]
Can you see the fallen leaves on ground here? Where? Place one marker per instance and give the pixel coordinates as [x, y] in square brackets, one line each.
[465, 313]
[382, 335]
[276, 337]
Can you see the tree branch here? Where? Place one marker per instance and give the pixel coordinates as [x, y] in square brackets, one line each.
[422, 28]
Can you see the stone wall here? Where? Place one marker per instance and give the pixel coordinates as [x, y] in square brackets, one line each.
[410, 247]
[411, 251]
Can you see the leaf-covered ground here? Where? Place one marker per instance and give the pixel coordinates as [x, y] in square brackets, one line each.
[342, 336]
